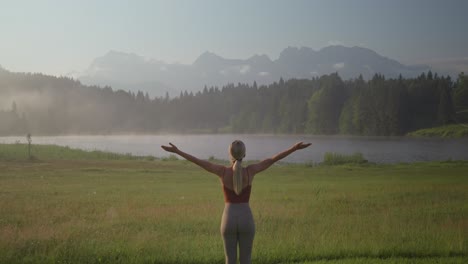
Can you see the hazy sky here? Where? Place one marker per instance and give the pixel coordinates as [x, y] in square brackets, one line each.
[56, 37]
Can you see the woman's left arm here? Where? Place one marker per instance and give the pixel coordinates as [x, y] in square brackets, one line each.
[265, 164]
[213, 168]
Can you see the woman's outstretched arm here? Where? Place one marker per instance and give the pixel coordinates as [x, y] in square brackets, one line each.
[265, 164]
[213, 168]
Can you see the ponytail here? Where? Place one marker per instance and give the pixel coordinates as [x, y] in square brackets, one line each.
[237, 153]
[237, 176]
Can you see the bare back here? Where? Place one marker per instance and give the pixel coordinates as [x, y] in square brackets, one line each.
[226, 178]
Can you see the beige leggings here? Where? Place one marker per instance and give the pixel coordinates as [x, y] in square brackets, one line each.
[237, 227]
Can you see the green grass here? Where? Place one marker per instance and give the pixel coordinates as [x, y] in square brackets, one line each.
[448, 131]
[392, 260]
[168, 211]
[331, 158]
[18, 152]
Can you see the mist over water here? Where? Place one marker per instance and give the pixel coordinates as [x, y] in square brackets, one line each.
[374, 149]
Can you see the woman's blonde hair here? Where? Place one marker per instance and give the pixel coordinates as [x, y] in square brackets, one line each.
[237, 153]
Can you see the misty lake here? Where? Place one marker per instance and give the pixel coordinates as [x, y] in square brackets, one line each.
[374, 149]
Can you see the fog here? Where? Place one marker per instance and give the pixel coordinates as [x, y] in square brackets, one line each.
[26, 101]
[47, 105]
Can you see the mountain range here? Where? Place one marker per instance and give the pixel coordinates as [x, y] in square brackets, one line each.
[130, 71]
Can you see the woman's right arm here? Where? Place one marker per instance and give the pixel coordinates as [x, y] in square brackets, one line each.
[213, 168]
[265, 164]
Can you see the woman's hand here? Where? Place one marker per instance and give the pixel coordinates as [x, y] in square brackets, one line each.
[213, 168]
[301, 145]
[172, 148]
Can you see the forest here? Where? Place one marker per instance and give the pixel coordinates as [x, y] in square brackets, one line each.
[326, 105]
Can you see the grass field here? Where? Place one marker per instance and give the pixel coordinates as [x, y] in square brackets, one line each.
[129, 210]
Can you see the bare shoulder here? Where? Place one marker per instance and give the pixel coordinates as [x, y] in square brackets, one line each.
[221, 170]
[251, 170]
[260, 166]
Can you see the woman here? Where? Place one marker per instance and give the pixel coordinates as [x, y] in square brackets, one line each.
[237, 224]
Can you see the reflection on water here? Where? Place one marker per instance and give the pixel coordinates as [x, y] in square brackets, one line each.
[374, 149]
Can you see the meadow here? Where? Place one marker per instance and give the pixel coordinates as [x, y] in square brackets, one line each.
[80, 208]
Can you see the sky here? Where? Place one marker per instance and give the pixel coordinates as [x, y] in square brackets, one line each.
[61, 36]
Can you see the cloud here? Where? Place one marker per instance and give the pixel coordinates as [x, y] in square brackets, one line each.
[95, 69]
[71, 74]
[263, 74]
[443, 66]
[335, 43]
[338, 66]
[314, 73]
[454, 65]
[244, 69]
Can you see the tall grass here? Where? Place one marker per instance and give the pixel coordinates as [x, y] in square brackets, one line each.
[169, 212]
[19, 152]
[331, 158]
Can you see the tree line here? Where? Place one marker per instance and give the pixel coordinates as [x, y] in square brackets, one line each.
[46, 105]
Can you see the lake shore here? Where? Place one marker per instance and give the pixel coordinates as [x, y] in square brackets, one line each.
[448, 131]
[386, 150]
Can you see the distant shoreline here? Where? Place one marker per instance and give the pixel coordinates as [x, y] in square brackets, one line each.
[449, 131]
[18, 152]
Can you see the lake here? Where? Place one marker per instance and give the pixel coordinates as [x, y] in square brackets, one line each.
[374, 149]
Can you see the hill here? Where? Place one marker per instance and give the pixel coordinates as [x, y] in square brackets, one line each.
[129, 71]
[48, 105]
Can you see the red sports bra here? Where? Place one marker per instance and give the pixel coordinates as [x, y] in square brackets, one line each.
[231, 197]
